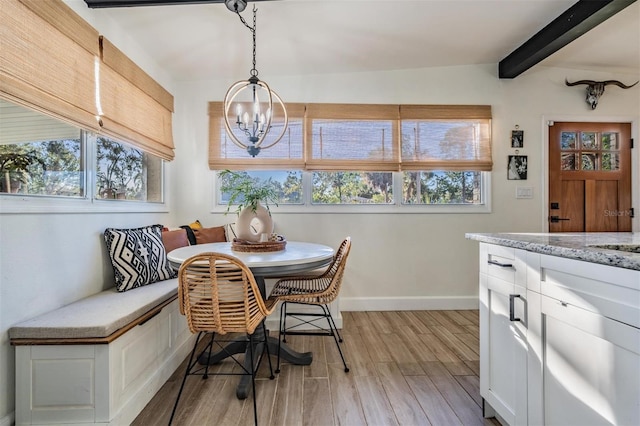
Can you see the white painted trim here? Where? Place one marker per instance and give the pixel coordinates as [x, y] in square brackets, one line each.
[7, 420]
[408, 303]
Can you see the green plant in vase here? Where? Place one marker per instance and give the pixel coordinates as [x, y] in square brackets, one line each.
[249, 195]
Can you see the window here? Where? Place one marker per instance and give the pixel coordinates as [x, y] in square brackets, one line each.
[43, 157]
[365, 154]
[125, 173]
[288, 184]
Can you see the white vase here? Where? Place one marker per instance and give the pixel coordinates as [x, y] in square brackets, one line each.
[251, 224]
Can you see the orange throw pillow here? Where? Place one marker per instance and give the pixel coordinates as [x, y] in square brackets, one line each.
[174, 239]
[210, 235]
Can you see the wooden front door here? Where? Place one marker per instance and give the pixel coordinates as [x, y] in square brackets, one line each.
[590, 177]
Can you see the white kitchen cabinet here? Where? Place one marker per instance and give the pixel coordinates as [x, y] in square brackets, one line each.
[559, 339]
[584, 340]
[503, 346]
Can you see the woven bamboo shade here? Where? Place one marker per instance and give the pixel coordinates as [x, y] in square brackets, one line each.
[287, 154]
[47, 60]
[371, 137]
[135, 108]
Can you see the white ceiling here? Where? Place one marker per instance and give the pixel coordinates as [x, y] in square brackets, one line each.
[301, 37]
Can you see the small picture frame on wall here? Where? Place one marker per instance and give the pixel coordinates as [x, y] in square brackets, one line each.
[517, 138]
[517, 167]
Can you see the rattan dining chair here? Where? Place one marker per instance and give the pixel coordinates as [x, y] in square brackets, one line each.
[218, 294]
[318, 291]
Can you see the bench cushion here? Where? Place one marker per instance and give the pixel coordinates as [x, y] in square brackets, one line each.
[96, 316]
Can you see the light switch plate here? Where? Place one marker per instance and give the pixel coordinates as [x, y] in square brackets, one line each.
[524, 192]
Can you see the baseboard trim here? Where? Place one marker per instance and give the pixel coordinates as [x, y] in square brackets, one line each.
[7, 420]
[408, 303]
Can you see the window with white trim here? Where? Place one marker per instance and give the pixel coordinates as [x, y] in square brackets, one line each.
[375, 154]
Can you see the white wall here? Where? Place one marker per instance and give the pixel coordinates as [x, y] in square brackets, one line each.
[412, 260]
[397, 261]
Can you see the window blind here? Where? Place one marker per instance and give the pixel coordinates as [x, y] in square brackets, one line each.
[134, 107]
[446, 137]
[286, 154]
[369, 137]
[47, 60]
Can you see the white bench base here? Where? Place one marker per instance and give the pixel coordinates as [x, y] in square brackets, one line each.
[103, 383]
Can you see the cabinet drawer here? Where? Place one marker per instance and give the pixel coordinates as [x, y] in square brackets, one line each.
[611, 292]
[505, 263]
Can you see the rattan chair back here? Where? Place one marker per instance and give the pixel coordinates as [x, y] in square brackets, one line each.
[218, 293]
[320, 290]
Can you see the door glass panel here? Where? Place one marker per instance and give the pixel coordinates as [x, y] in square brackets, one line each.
[568, 161]
[568, 140]
[610, 161]
[610, 141]
[589, 140]
[589, 161]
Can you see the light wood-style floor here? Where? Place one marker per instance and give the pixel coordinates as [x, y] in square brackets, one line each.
[407, 368]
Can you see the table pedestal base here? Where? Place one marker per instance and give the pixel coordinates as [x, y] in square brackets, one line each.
[240, 345]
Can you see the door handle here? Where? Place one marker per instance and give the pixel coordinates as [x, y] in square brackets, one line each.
[512, 314]
[556, 219]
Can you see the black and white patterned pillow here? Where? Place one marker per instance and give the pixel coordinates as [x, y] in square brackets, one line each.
[138, 256]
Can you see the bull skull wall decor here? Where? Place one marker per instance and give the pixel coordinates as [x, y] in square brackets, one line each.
[595, 89]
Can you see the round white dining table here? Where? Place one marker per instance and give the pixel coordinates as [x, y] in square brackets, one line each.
[295, 258]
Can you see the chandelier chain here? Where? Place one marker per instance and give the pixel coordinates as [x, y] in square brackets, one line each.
[254, 71]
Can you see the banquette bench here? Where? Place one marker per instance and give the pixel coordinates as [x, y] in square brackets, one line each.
[101, 359]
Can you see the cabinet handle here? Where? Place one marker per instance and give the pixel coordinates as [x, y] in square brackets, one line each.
[512, 314]
[502, 265]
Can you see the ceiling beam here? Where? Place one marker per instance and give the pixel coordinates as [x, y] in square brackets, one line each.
[102, 4]
[574, 22]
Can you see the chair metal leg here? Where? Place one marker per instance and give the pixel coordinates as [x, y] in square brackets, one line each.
[281, 331]
[335, 334]
[253, 380]
[266, 347]
[184, 379]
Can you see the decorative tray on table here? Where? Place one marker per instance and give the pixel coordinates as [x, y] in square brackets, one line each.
[264, 246]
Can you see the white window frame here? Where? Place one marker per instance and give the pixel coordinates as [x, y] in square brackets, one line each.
[396, 208]
[12, 204]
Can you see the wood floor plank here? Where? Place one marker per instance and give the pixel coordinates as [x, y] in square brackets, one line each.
[443, 319]
[411, 319]
[378, 351]
[452, 341]
[317, 408]
[375, 404]
[471, 384]
[439, 348]
[347, 408]
[432, 402]
[415, 374]
[287, 407]
[416, 346]
[380, 322]
[471, 315]
[462, 404]
[403, 401]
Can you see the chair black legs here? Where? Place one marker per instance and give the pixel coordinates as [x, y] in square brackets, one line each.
[326, 313]
[186, 373]
[249, 368]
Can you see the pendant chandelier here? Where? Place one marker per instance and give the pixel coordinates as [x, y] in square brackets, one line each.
[249, 104]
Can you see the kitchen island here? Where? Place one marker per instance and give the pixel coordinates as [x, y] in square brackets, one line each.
[560, 327]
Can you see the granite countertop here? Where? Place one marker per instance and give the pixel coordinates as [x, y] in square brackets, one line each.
[611, 248]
